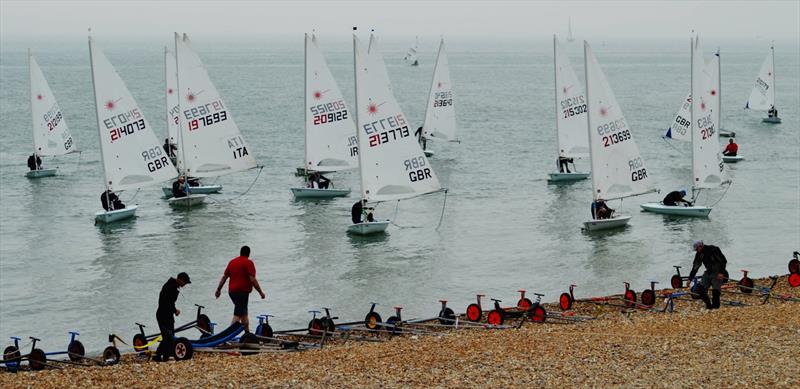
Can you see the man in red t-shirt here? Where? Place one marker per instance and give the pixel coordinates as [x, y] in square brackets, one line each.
[731, 149]
[242, 272]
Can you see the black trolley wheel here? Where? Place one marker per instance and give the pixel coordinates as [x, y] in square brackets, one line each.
[565, 301]
[111, 355]
[524, 303]
[794, 266]
[372, 321]
[11, 355]
[745, 285]
[649, 297]
[794, 280]
[474, 313]
[264, 330]
[391, 322]
[630, 298]
[328, 324]
[248, 339]
[315, 327]
[676, 282]
[183, 349]
[495, 317]
[139, 343]
[75, 351]
[538, 314]
[37, 359]
[697, 291]
[204, 324]
[447, 317]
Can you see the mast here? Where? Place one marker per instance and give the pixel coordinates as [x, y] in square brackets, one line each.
[30, 105]
[589, 118]
[97, 116]
[719, 92]
[180, 122]
[691, 107]
[166, 100]
[774, 80]
[555, 91]
[305, 100]
[355, 112]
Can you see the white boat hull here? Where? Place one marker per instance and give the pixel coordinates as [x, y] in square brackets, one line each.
[606, 224]
[677, 210]
[115, 215]
[735, 159]
[771, 120]
[41, 173]
[314, 193]
[368, 228]
[567, 177]
[428, 153]
[727, 134]
[202, 189]
[187, 201]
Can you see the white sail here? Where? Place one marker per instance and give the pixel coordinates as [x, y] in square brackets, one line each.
[570, 38]
[679, 129]
[173, 103]
[132, 156]
[440, 113]
[571, 114]
[762, 97]
[374, 48]
[210, 142]
[712, 67]
[707, 166]
[392, 164]
[618, 169]
[50, 133]
[331, 142]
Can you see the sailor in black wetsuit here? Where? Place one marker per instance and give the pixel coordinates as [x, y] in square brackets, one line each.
[34, 162]
[675, 197]
[164, 315]
[714, 261]
[110, 201]
[179, 188]
[358, 210]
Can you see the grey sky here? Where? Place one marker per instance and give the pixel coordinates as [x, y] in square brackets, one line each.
[745, 20]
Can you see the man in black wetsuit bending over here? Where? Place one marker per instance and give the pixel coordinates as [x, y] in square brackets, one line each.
[164, 315]
[714, 261]
[675, 197]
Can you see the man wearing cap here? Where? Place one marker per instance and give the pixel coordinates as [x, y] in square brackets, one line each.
[242, 272]
[164, 315]
[714, 261]
[675, 197]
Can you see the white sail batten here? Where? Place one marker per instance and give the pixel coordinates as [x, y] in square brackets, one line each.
[210, 142]
[571, 116]
[132, 156]
[51, 136]
[762, 97]
[618, 169]
[392, 164]
[440, 113]
[331, 143]
[707, 166]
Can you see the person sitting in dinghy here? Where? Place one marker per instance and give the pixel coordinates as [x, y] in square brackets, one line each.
[421, 139]
[357, 212]
[34, 162]
[110, 201]
[731, 149]
[564, 161]
[600, 210]
[317, 180]
[773, 113]
[179, 188]
[675, 197]
[170, 148]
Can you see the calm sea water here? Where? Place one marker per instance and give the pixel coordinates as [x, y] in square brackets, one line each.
[504, 227]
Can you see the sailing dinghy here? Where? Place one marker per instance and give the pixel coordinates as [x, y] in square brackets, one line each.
[173, 123]
[440, 113]
[570, 38]
[51, 136]
[708, 170]
[618, 170]
[392, 166]
[132, 156]
[571, 118]
[331, 142]
[209, 141]
[762, 97]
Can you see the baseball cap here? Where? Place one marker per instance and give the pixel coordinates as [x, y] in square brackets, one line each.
[696, 244]
[184, 277]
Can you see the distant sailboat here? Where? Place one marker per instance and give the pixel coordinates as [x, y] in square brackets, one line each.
[708, 171]
[618, 170]
[571, 117]
[570, 38]
[132, 156]
[411, 56]
[51, 136]
[440, 113]
[762, 97]
[331, 144]
[392, 166]
[209, 141]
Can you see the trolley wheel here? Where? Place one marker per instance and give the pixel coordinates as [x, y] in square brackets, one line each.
[75, 351]
[745, 285]
[111, 355]
[139, 343]
[11, 355]
[495, 317]
[447, 317]
[372, 321]
[630, 298]
[524, 303]
[204, 323]
[183, 349]
[794, 266]
[794, 280]
[649, 297]
[248, 339]
[264, 330]
[697, 291]
[391, 322]
[676, 282]
[315, 327]
[37, 359]
[538, 314]
[565, 301]
[328, 324]
[474, 313]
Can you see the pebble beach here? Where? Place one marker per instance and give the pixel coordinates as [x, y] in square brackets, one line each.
[736, 346]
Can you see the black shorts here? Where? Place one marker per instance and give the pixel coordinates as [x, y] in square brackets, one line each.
[239, 302]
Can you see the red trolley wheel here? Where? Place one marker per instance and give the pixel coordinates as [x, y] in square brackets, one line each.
[565, 301]
[139, 343]
[495, 318]
[745, 285]
[649, 297]
[315, 327]
[524, 303]
[794, 266]
[538, 314]
[630, 298]
[676, 282]
[37, 359]
[474, 313]
[794, 280]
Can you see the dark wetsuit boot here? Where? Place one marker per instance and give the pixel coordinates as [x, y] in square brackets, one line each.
[715, 298]
[704, 296]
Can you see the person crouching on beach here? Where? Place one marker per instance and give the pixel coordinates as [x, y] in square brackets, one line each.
[714, 261]
[242, 272]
